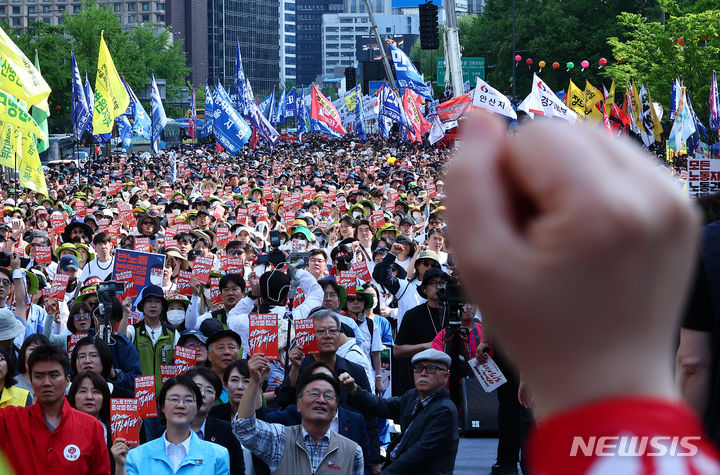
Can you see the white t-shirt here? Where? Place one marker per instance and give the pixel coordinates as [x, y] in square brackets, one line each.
[95, 268]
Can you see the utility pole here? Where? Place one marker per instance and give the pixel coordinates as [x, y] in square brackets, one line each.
[388, 70]
[452, 45]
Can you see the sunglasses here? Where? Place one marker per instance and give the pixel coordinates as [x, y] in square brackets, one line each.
[355, 299]
[429, 263]
[82, 316]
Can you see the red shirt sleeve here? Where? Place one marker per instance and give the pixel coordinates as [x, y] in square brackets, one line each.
[631, 436]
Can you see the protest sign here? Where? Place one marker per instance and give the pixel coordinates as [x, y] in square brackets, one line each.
[73, 339]
[127, 279]
[215, 295]
[223, 236]
[264, 334]
[125, 421]
[488, 374]
[58, 222]
[145, 395]
[142, 244]
[703, 176]
[43, 254]
[168, 371]
[201, 268]
[58, 286]
[186, 358]
[144, 267]
[361, 271]
[183, 283]
[305, 336]
[348, 280]
[378, 217]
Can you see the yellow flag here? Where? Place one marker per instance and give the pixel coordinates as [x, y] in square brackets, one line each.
[7, 145]
[636, 106]
[351, 100]
[11, 112]
[29, 167]
[576, 99]
[593, 95]
[111, 97]
[610, 99]
[18, 76]
[657, 127]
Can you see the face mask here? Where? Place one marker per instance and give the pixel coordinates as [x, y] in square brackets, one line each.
[357, 214]
[298, 245]
[416, 216]
[175, 317]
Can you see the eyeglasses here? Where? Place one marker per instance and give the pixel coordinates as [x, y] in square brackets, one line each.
[194, 345]
[428, 263]
[436, 283]
[206, 390]
[82, 316]
[429, 369]
[5, 282]
[175, 400]
[88, 356]
[323, 332]
[315, 394]
[235, 252]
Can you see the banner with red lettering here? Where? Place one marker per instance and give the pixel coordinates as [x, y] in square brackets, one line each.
[703, 176]
[43, 254]
[145, 395]
[186, 358]
[305, 336]
[201, 268]
[59, 286]
[454, 108]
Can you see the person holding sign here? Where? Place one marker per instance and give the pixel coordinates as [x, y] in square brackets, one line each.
[179, 447]
[427, 415]
[50, 436]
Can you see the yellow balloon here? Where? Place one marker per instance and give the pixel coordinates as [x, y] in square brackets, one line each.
[391, 160]
[541, 64]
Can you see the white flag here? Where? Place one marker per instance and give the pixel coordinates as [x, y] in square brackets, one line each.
[436, 132]
[488, 98]
[551, 103]
[532, 104]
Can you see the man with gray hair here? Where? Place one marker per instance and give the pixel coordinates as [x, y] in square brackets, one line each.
[327, 331]
[428, 417]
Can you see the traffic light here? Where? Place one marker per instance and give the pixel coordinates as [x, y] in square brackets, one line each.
[350, 79]
[429, 38]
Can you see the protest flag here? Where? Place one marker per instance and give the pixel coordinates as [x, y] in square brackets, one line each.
[41, 112]
[81, 114]
[20, 78]
[111, 97]
[324, 112]
[157, 115]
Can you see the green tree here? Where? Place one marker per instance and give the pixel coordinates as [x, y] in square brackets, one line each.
[551, 31]
[687, 47]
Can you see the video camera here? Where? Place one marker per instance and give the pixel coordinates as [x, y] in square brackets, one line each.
[106, 294]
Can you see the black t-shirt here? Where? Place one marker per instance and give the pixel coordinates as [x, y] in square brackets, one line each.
[419, 325]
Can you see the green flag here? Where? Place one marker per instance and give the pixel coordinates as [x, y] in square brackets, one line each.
[41, 112]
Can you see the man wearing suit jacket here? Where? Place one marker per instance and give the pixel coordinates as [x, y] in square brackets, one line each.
[350, 424]
[426, 414]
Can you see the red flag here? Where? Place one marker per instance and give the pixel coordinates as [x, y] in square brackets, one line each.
[454, 108]
[411, 103]
[193, 117]
[254, 138]
[606, 122]
[323, 111]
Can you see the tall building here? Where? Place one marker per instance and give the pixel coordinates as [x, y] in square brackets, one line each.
[288, 42]
[341, 31]
[211, 29]
[20, 13]
[309, 36]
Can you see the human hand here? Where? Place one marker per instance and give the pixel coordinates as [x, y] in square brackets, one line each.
[119, 451]
[259, 368]
[197, 286]
[587, 247]
[14, 261]
[296, 356]
[348, 383]
[376, 468]
[525, 397]
[127, 305]
[481, 353]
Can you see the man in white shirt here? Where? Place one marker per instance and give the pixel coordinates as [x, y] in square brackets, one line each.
[102, 265]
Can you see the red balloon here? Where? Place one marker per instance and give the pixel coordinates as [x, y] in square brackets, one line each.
[529, 61]
[602, 62]
[57, 107]
[556, 65]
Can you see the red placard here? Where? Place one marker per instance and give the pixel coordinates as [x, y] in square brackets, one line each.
[305, 336]
[242, 214]
[170, 242]
[262, 214]
[185, 358]
[264, 334]
[43, 254]
[183, 228]
[124, 210]
[378, 217]
[125, 420]
[223, 236]
[114, 187]
[73, 339]
[183, 283]
[287, 218]
[134, 317]
[58, 222]
[201, 268]
[392, 194]
[142, 244]
[361, 271]
[130, 290]
[80, 209]
[347, 279]
[58, 286]
[145, 395]
[168, 371]
[104, 225]
[215, 296]
[234, 266]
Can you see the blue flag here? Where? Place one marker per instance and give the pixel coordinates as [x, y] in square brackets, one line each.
[714, 100]
[272, 117]
[264, 128]
[90, 99]
[674, 97]
[141, 124]
[407, 75]
[240, 104]
[81, 114]
[131, 111]
[157, 115]
[280, 112]
[359, 114]
[209, 113]
[173, 168]
[266, 105]
[390, 106]
[290, 106]
[302, 114]
[694, 140]
[125, 129]
[231, 131]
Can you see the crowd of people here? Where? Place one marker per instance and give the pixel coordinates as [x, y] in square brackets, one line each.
[352, 237]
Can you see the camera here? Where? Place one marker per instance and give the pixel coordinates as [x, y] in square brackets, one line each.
[5, 259]
[107, 290]
[451, 300]
[275, 239]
